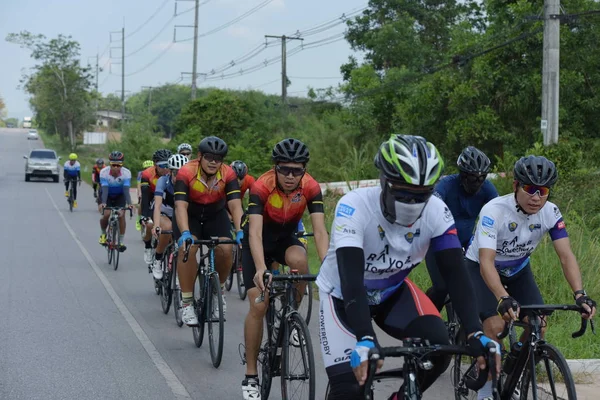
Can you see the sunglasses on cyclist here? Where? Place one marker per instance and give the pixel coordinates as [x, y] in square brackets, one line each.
[410, 195]
[475, 178]
[116, 165]
[532, 190]
[185, 153]
[212, 157]
[285, 171]
[162, 164]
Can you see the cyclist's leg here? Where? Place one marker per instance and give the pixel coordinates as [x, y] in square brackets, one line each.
[220, 226]
[187, 271]
[409, 313]
[74, 183]
[438, 291]
[104, 220]
[253, 325]
[336, 338]
[296, 258]
[164, 240]
[524, 289]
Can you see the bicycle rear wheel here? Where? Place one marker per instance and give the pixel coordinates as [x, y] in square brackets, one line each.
[553, 379]
[108, 244]
[166, 293]
[229, 281]
[216, 319]
[199, 306]
[297, 337]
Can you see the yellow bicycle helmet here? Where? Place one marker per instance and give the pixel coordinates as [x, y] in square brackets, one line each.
[73, 156]
[147, 164]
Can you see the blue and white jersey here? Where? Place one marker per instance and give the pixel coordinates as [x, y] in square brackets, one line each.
[513, 234]
[391, 250]
[116, 184]
[166, 190]
[72, 170]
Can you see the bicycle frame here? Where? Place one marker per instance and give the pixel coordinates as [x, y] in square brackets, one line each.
[528, 351]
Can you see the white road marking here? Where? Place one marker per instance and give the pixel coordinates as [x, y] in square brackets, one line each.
[174, 383]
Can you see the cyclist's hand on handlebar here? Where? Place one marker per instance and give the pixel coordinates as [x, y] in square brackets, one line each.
[359, 359]
[508, 308]
[185, 235]
[478, 341]
[156, 232]
[588, 305]
[259, 279]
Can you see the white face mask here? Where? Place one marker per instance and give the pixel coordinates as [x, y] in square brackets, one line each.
[407, 214]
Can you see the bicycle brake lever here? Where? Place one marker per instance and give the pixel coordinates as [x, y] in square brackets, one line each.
[186, 250]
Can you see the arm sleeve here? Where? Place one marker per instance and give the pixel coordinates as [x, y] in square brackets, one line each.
[126, 193]
[258, 197]
[440, 190]
[451, 266]
[181, 190]
[351, 267]
[145, 200]
[232, 187]
[104, 194]
[559, 229]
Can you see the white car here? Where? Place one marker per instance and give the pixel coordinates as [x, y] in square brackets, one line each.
[32, 135]
[42, 163]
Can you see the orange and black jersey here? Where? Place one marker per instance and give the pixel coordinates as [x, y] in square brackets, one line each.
[148, 186]
[96, 170]
[190, 187]
[280, 209]
[246, 184]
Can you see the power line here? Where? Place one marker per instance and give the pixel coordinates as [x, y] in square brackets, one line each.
[233, 21]
[315, 77]
[149, 19]
[165, 26]
[193, 8]
[155, 59]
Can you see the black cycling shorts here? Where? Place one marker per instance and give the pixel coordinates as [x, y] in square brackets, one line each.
[521, 287]
[116, 201]
[274, 247]
[406, 313]
[216, 224]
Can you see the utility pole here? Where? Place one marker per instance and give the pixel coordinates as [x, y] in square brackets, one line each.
[550, 72]
[149, 95]
[284, 79]
[123, 72]
[195, 56]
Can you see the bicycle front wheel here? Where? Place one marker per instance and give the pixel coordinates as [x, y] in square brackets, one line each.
[216, 319]
[305, 308]
[116, 246]
[166, 294]
[108, 245]
[464, 369]
[552, 377]
[199, 306]
[298, 362]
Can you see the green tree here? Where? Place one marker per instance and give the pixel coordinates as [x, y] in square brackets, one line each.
[59, 86]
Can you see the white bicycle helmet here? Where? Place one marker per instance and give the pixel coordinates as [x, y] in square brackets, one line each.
[176, 161]
[184, 146]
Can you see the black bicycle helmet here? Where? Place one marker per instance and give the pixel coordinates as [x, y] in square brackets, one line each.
[240, 168]
[410, 159]
[213, 145]
[161, 155]
[291, 150]
[100, 162]
[116, 156]
[535, 170]
[473, 161]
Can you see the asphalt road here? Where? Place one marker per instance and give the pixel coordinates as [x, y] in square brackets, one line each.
[73, 328]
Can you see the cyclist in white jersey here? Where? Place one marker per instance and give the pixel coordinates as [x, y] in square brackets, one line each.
[379, 235]
[508, 231]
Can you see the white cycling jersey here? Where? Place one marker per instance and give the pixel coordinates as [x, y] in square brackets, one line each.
[391, 250]
[504, 227]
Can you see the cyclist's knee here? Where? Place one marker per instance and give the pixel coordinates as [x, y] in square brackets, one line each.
[257, 310]
[295, 257]
[492, 326]
[344, 387]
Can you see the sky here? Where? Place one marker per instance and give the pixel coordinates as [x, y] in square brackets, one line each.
[151, 57]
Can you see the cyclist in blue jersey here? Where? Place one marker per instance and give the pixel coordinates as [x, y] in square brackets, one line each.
[465, 194]
[72, 173]
[164, 201]
[115, 181]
